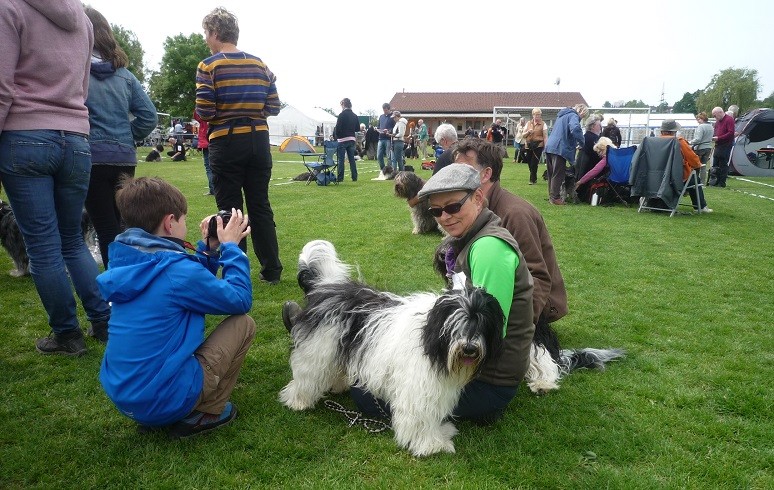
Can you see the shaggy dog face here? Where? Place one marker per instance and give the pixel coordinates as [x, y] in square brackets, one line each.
[407, 186]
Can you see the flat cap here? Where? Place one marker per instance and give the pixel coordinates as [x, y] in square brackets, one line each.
[453, 177]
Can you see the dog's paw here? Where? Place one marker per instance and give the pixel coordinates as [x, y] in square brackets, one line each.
[17, 273]
[415, 231]
[429, 447]
[291, 398]
[542, 386]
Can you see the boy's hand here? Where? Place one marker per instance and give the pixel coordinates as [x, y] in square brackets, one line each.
[235, 230]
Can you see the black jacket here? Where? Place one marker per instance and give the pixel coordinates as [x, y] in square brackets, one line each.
[347, 124]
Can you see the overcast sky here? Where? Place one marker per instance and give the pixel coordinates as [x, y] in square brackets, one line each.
[322, 51]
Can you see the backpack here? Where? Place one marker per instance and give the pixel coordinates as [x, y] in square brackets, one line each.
[325, 178]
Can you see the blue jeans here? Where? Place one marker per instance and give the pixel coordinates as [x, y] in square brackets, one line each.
[347, 147]
[208, 169]
[381, 152]
[46, 176]
[397, 155]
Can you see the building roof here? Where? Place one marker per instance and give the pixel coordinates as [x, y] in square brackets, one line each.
[467, 102]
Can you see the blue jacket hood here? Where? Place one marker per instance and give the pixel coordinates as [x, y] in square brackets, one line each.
[133, 267]
[102, 69]
[564, 111]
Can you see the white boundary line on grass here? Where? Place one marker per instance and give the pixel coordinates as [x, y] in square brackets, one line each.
[752, 193]
[753, 181]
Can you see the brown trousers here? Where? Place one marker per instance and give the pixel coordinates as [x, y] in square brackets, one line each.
[221, 356]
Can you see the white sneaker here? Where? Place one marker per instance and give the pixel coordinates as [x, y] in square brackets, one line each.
[705, 209]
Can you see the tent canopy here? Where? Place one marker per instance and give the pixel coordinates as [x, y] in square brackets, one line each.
[296, 144]
[755, 132]
[306, 123]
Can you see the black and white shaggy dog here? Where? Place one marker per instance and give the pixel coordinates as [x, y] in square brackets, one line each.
[407, 186]
[12, 241]
[415, 352]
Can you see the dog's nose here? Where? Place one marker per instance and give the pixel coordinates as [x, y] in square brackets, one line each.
[469, 350]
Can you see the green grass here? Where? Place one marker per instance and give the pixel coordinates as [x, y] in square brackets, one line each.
[689, 297]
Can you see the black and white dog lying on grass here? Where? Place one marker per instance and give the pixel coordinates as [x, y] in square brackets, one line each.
[12, 241]
[415, 352]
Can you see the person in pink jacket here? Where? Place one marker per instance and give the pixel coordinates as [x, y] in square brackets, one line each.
[45, 158]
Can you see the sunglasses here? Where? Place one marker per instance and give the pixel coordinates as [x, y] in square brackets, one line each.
[452, 208]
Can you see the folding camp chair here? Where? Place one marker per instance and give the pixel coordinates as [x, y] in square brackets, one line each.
[321, 166]
[657, 176]
[619, 161]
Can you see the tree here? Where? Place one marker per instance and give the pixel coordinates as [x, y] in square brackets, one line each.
[173, 87]
[635, 103]
[133, 49]
[607, 104]
[738, 86]
[768, 101]
[688, 103]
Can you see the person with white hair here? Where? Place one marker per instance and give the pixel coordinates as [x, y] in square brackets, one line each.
[445, 137]
[562, 142]
[724, 140]
[535, 136]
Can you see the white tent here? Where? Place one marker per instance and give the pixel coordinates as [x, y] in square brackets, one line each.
[293, 121]
[635, 126]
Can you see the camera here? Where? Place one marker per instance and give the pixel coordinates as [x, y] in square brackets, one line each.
[212, 227]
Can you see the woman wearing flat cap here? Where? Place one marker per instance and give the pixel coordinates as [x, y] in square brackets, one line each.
[483, 254]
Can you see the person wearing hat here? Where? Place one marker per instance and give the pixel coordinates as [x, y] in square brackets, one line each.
[482, 253]
[398, 140]
[691, 162]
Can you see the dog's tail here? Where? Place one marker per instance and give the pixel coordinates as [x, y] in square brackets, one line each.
[570, 360]
[318, 263]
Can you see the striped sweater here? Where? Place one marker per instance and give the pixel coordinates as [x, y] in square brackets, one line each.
[235, 86]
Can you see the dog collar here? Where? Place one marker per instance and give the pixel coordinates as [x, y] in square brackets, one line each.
[413, 201]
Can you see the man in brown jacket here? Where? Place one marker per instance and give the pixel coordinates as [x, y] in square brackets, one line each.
[525, 223]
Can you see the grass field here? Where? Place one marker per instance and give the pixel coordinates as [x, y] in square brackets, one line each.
[688, 297]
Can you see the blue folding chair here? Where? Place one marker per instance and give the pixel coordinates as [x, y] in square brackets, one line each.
[321, 168]
[619, 161]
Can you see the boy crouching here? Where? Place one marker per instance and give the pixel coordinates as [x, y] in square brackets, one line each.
[158, 369]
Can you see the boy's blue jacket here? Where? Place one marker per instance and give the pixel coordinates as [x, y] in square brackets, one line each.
[160, 294]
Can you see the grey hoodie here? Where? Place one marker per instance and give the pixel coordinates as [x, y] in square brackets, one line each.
[44, 70]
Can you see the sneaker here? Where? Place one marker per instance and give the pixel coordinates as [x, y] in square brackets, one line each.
[290, 311]
[151, 429]
[705, 209]
[98, 331]
[558, 202]
[198, 422]
[272, 282]
[532, 183]
[67, 344]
